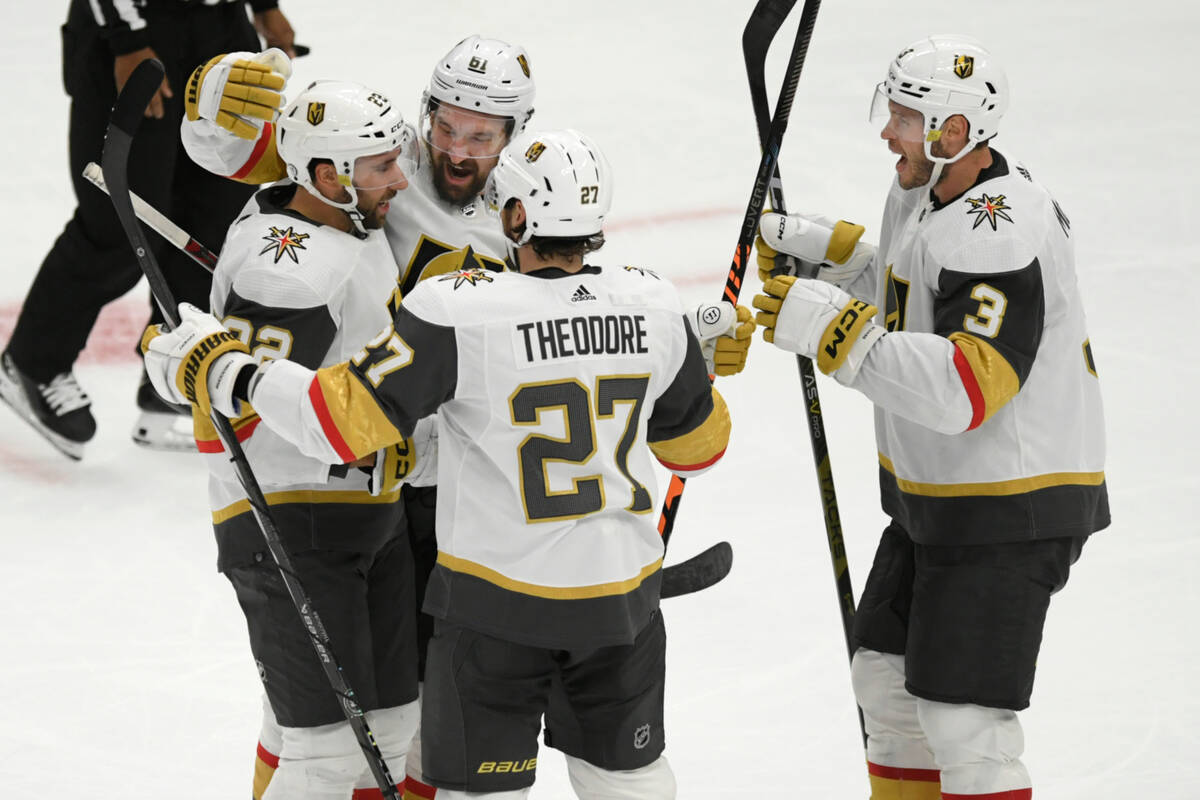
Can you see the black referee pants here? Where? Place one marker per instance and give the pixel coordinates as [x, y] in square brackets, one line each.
[91, 262]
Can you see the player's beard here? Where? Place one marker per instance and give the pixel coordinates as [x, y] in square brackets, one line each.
[373, 217]
[461, 193]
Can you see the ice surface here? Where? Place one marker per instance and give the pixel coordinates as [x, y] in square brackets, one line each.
[125, 667]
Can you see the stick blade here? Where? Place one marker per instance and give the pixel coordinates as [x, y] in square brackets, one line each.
[136, 95]
[698, 572]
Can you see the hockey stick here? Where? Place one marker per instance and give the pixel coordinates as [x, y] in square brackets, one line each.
[157, 221]
[755, 55]
[698, 572]
[765, 19]
[126, 115]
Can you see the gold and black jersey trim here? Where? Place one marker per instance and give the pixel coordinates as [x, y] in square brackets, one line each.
[599, 615]
[348, 521]
[1035, 507]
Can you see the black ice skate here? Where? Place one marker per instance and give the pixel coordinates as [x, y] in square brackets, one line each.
[59, 410]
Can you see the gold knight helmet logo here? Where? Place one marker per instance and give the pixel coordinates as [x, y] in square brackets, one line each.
[316, 113]
[524, 62]
[964, 66]
[534, 152]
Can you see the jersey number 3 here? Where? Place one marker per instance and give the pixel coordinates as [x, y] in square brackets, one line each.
[578, 446]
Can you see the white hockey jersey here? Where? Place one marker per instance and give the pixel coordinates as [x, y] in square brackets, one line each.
[550, 386]
[428, 235]
[989, 421]
[292, 288]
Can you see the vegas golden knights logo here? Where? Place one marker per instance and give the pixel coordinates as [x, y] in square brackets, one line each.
[534, 152]
[524, 62]
[316, 113]
[964, 66]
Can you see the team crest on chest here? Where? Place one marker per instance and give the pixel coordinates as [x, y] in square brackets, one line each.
[988, 209]
[284, 242]
[467, 276]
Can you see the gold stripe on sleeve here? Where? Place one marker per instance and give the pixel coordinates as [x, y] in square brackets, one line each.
[998, 381]
[700, 445]
[351, 413]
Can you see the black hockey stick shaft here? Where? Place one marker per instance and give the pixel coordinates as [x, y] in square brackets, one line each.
[755, 70]
[693, 575]
[158, 222]
[126, 116]
[768, 13]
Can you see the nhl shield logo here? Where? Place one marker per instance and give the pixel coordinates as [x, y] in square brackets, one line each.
[641, 737]
[964, 66]
[316, 113]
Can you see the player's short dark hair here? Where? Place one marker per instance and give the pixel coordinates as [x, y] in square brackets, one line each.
[566, 246]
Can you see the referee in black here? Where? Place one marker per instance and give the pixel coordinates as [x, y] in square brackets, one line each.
[91, 263]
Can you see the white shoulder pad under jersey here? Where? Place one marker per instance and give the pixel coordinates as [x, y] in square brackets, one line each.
[292, 288]
[430, 236]
[985, 383]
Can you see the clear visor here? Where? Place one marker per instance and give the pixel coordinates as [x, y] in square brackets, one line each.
[391, 169]
[461, 133]
[906, 124]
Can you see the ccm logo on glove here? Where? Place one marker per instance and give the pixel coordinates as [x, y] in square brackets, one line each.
[849, 324]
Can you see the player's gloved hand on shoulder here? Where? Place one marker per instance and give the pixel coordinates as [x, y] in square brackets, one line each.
[412, 460]
[826, 250]
[238, 91]
[818, 320]
[197, 362]
[725, 332]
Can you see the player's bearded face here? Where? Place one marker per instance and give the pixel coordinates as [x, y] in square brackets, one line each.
[377, 179]
[463, 149]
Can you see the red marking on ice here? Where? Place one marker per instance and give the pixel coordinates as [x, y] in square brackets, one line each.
[114, 338]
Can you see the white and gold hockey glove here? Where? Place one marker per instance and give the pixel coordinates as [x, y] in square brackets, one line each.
[198, 362]
[829, 251]
[238, 91]
[725, 332]
[412, 460]
[820, 321]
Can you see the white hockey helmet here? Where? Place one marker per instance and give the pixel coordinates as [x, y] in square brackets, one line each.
[561, 178]
[342, 122]
[943, 76]
[485, 76]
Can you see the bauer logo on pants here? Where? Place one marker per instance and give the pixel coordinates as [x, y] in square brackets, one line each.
[316, 113]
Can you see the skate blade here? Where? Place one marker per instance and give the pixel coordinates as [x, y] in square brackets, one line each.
[167, 432]
[14, 397]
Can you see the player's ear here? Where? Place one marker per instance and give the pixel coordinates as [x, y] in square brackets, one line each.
[514, 218]
[325, 178]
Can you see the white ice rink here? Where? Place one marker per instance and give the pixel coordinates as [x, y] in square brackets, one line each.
[125, 671]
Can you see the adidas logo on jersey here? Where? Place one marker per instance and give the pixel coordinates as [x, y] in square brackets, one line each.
[582, 294]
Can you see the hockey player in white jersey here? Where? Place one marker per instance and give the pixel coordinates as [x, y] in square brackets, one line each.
[480, 94]
[306, 274]
[988, 422]
[556, 386]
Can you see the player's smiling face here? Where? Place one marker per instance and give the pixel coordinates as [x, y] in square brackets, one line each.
[463, 147]
[377, 179]
[905, 136]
